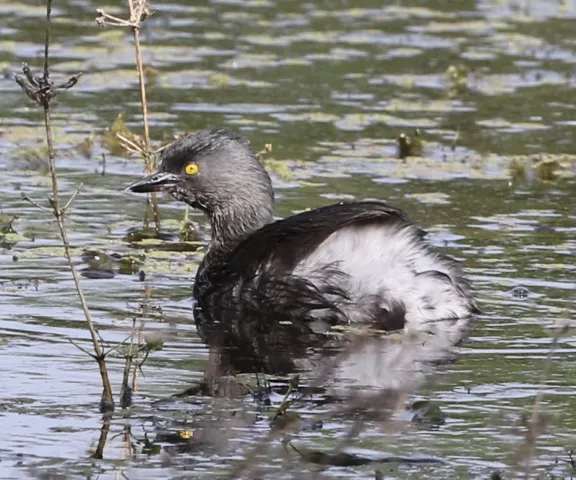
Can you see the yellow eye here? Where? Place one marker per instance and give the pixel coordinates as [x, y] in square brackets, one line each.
[191, 169]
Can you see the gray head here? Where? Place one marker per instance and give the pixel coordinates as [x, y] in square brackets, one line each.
[215, 171]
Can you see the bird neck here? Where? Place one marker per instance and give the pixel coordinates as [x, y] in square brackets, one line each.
[231, 225]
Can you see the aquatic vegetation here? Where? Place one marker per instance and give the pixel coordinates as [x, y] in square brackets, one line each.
[32, 158]
[8, 234]
[457, 79]
[188, 232]
[7, 223]
[410, 146]
[102, 265]
[85, 146]
[546, 168]
[277, 167]
[110, 140]
[427, 413]
[151, 74]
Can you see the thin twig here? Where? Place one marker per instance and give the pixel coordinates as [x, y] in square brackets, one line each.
[117, 346]
[47, 40]
[286, 403]
[141, 364]
[71, 199]
[35, 203]
[102, 341]
[130, 145]
[140, 69]
[110, 19]
[82, 349]
[135, 371]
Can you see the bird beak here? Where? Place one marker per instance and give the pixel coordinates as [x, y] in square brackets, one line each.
[155, 183]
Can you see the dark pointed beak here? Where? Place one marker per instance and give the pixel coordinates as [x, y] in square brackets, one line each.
[155, 183]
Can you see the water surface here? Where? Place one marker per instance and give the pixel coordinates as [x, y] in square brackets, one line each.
[331, 85]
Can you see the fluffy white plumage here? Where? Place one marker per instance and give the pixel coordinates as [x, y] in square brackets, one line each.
[390, 264]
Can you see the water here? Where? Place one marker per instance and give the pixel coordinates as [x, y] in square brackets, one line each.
[330, 85]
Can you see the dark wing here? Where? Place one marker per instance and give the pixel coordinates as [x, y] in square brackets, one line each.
[285, 242]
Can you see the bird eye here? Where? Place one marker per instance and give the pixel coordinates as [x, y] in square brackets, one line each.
[191, 169]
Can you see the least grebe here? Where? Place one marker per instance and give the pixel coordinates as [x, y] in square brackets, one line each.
[359, 262]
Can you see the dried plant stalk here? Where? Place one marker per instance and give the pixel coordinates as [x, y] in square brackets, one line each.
[42, 90]
[139, 11]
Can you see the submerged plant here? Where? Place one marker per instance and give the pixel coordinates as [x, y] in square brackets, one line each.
[188, 232]
[409, 146]
[85, 146]
[110, 138]
[32, 158]
[277, 167]
[7, 222]
[547, 169]
[8, 235]
[457, 79]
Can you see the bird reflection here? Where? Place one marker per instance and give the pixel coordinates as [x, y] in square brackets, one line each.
[346, 358]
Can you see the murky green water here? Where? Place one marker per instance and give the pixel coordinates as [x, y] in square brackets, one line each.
[330, 85]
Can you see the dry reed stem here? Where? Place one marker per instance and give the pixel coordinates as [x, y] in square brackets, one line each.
[42, 91]
[139, 11]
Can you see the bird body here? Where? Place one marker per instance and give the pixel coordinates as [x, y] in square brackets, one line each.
[348, 263]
